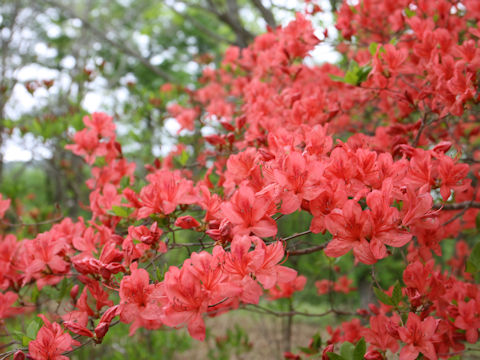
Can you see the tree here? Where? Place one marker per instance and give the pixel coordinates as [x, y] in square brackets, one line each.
[380, 158]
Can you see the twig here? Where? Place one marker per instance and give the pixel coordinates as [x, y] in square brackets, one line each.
[309, 250]
[458, 206]
[296, 235]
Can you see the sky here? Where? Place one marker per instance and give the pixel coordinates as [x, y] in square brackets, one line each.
[17, 148]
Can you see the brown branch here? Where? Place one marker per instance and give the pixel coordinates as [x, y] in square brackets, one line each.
[296, 235]
[420, 130]
[309, 250]
[458, 206]
[266, 13]
[265, 310]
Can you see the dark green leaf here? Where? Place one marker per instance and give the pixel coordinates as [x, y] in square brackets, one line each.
[382, 297]
[346, 350]
[397, 293]
[333, 356]
[360, 350]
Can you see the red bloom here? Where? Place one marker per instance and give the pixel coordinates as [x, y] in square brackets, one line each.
[166, 190]
[187, 222]
[51, 342]
[350, 228]
[418, 337]
[249, 213]
[140, 301]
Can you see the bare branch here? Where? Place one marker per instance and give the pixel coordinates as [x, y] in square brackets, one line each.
[296, 235]
[458, 206]
[309, 250]
[266, 13]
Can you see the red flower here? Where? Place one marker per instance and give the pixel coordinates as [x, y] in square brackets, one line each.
[187, 222]
[249, 213]
[418, 336]
[350, 228]
[140, 301]
[51, 342]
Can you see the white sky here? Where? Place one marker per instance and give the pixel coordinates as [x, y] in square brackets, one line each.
[17, 148]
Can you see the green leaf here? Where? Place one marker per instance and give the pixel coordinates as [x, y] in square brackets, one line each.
[308, 351]
[346, 350]
[351, 78]
[121, 211]
[317, 341]
[381, 296]
[373, 48]
[360, 350]
[409, 12]
[473, 262]
[397, 293]
[470, 268]
[363, 73]
[183, 158]
[336, 78]
[333, 356]
[33, 328]
[26, 340]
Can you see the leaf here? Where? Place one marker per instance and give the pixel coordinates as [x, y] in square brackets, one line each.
[308, 351]
[351, 78]
[373, 48]
[409, 12]
[473, 262]
[33, 328]
[381, 296]
[333, 356]
[360, 350]
[317, 341]
[26, 340]
[336, 78]
[397, 293]
[183, 158]
[346, 350]
[121, 211]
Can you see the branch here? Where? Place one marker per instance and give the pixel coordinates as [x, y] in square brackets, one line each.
[458, 206]
[200, 26]
[266, 13]
[420, 130]
[118, 45]
[265, 310]
[296, 235]
[309, 250]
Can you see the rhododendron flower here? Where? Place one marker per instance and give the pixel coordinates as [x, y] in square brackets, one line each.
[350, 228]
[187, 301]
[51, 342]
[87, 145]
[6, 302]
[378, 334]
[418, 336]
[4, 205]
[286, 289]
[323, 286]
[468, 319]
[140, 301]
[249, 212]
[101, 123]
[187, 222]
[166, 190]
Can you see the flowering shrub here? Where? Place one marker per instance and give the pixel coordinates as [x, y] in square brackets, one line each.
[384, 156]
